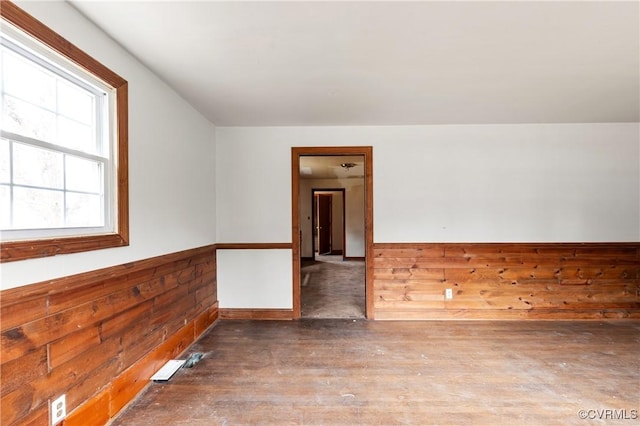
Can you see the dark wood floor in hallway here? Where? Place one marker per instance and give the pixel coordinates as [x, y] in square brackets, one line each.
[357, 372]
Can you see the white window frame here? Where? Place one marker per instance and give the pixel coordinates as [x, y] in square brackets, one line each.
[39, 44]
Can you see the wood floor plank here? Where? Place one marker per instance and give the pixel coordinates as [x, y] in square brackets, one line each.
[356, 372]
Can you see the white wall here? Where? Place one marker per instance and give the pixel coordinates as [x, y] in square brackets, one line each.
[171, 152]
[455, 183]
[535, 183]
[255, 279]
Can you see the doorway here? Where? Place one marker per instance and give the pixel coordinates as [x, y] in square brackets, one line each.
[328, 222]
[332, 285]
[323, 221]
[335, 252]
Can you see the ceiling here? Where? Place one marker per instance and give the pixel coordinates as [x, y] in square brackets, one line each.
[330, 167]
[387, 63]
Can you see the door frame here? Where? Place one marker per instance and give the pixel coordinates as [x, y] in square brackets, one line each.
[344, 220]
[337, 151]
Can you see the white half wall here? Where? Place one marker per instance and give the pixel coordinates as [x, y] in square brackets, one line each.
[255, 279]
[171, 157]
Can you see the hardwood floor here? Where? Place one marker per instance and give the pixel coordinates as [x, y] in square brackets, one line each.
[357, 372]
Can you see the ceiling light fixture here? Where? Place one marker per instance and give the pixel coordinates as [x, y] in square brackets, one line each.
[348, 165]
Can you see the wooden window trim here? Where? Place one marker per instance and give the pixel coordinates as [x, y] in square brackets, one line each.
[29, 249]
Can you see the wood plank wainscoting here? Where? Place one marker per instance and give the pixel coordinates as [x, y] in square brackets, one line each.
[98, 336]
[507, 281]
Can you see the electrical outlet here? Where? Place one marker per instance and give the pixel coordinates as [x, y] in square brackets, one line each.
[448, 294]
[58, 410]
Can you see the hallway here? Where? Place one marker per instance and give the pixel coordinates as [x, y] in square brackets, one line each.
[332, 288]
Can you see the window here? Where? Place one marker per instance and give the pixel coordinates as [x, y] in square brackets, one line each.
[63, 145]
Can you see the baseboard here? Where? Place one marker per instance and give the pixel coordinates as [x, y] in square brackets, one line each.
[362, 259]
[336, 252]
[256, 314]
[307, 259]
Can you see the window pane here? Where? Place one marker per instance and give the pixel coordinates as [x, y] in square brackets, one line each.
[28, 81]
[83, 175]
[37, 166]
[5, 207]
[75, 102]
[84, 210]
[72, 134]
[5, 170]
[28, 120]
[37, 208]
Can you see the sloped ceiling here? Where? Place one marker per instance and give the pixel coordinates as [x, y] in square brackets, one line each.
[387, 63]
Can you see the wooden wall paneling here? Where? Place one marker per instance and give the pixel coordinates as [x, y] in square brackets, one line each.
[16, 312]
[139, 339]
[97, 337]
[37, 417]
[73, 345]
[406, 314]
[513, 280]
[28, 368]
[138, 316]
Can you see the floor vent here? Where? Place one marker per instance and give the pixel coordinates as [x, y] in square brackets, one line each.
[167, 370]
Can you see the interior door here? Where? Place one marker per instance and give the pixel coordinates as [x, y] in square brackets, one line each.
[324, 203]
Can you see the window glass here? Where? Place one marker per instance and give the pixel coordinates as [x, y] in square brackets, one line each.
[5, 161]
[35, 166]
[83, 209]
[37, 208]
[28, 81]
[75, 135]
[83, 175]
[75, 103]
[27, 119]
[5, 206]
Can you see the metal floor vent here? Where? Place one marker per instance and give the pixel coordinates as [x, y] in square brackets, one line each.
[167, 370]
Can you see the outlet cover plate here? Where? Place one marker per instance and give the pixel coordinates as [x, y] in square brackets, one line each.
[58, 410]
